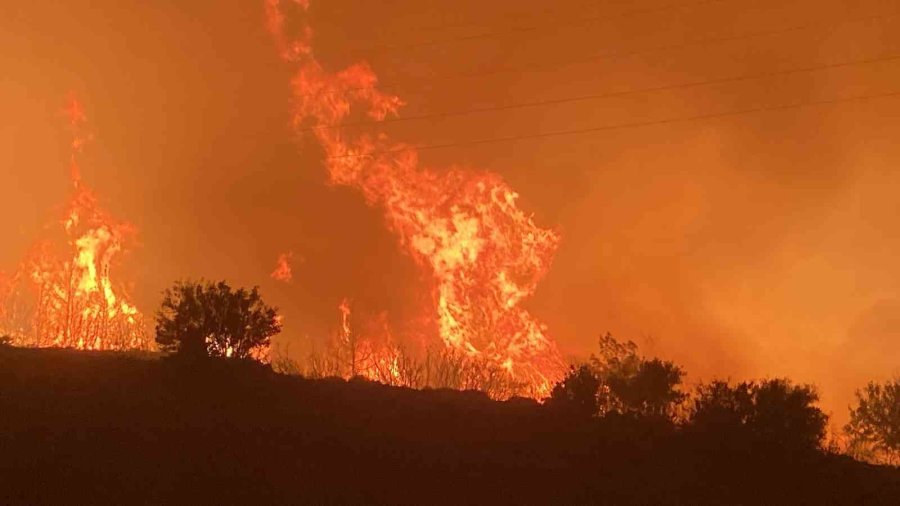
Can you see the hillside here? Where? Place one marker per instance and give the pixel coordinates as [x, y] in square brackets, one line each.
[111, 428]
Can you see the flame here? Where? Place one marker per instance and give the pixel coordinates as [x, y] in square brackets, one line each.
[375, 356]
[283, 271]
[345, 319]
[73, 301]
[484, 254]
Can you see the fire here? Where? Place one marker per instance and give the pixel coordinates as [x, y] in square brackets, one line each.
[62, 294]
[372, 355]
[283, 271]
[483, 253]
[345, 318]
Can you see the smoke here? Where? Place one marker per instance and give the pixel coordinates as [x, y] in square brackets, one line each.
[757, 245]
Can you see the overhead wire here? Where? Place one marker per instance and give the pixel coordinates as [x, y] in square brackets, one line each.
[614, 94]
[620, 126]
[700, 42]
[611, 55]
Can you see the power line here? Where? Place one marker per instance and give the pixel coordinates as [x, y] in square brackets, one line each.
[630, 53]
[621, 126]
[624, 93]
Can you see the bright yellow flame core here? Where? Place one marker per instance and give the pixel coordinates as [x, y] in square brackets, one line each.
[485, 254]
[73, 301]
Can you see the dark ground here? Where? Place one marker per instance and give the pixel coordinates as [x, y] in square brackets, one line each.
[94, 428]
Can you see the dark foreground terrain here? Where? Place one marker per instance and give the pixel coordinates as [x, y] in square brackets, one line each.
[91, 428]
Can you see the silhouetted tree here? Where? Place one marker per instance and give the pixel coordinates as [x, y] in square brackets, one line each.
[212, 319]
[576, 394]
[635, 385]
[615, 358]
[774, 412]
[718, 405]
[786, 414]
[875, 421]
[652, 390]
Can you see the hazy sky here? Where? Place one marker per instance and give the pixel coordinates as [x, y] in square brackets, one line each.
[758, 244]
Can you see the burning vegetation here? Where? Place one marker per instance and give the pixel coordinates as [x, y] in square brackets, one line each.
[249, 423]
[375, 354]
[483, 254]
[63, 294]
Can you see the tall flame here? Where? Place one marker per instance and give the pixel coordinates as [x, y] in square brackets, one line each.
[485, 255]
[73, 301]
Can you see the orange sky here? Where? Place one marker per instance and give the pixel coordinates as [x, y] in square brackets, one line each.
[750, 245]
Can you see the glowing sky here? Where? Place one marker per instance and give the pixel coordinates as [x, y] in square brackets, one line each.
[761, 244]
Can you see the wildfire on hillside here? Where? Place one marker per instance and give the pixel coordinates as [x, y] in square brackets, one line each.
[62, 294]
[483, 254]
[374, 353]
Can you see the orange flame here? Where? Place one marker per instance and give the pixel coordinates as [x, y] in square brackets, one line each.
[378, 358]
[485, 254]
[74, 302]
[283, 271]
[345, 319]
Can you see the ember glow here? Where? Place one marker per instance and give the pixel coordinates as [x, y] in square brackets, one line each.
[283, 271]
[62, 294]
[484, 255]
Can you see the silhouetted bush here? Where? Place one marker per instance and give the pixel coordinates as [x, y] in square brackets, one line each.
[875, 421]
[774, 413]
[576, 394]
[649, 391]
[719, 406]
[623, 383]
[211, 319]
